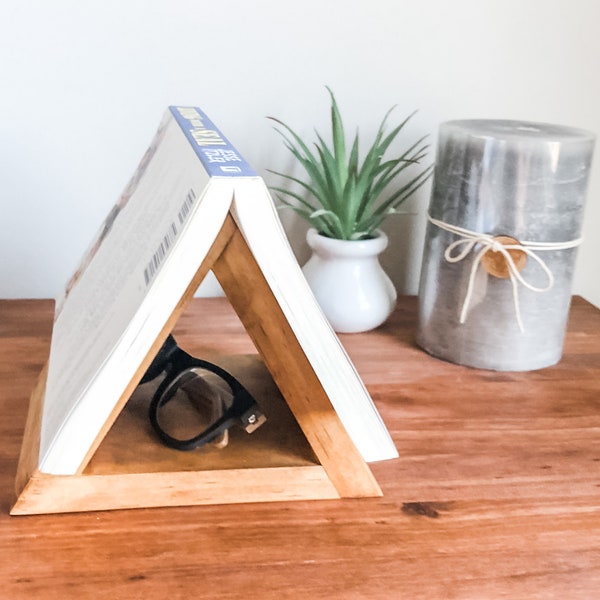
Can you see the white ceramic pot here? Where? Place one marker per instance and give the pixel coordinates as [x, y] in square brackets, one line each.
[348, 282]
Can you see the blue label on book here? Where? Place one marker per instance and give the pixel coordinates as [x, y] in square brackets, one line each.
[219, 157]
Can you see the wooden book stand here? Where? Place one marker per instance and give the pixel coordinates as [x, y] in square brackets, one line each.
[303, 452]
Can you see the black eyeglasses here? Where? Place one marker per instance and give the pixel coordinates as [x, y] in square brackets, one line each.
[197, 395]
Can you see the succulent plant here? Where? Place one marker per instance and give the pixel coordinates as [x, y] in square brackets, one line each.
[344, 197]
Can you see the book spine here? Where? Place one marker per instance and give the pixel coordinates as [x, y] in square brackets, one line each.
[217, 154]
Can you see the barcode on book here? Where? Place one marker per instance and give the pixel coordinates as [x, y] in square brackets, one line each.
[168, 239]
[186, 206]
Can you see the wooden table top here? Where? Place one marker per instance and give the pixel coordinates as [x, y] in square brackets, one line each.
[496, 493]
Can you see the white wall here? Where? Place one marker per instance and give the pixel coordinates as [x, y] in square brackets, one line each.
[84, 83]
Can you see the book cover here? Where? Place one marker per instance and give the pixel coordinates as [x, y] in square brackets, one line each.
[138, 269]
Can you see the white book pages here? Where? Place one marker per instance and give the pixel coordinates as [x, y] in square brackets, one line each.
[257, 218]
[128, 286]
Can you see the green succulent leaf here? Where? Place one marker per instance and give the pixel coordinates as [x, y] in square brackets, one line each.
[344, 198]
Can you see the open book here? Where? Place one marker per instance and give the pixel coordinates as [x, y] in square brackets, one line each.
[141, 264]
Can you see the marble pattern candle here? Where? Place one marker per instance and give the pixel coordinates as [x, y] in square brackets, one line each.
[505, 221]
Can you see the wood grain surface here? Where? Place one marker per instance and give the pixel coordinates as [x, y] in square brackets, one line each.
[496, 493]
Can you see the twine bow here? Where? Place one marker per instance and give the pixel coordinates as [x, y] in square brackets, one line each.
[470, 239]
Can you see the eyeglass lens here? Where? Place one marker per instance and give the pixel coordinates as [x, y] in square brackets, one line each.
[193, 401]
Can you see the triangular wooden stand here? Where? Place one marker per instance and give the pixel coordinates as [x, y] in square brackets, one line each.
[127, 468]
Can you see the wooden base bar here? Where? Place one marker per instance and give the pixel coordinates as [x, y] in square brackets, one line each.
[45, 494]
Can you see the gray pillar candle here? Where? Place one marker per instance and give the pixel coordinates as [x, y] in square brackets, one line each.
[523, 180]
